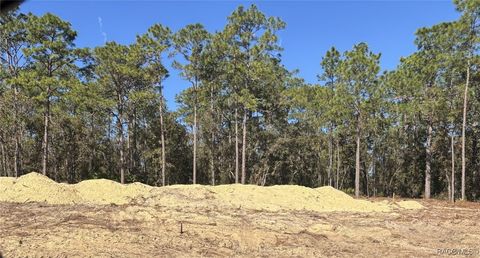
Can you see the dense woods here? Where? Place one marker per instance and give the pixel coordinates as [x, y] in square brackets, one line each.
[75, 113]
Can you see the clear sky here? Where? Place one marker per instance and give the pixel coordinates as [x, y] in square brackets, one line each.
[312, 26]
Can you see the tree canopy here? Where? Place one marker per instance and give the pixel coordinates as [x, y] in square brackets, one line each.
[78, 113]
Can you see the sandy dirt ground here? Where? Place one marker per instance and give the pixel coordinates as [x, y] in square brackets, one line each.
[102, 218]
[44, 230]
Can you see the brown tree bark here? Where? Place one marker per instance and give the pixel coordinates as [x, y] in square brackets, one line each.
[428, 162]
[236, 146]
[128, 156]
[212, 147]
[452, 188]
[133, 143]
[4, 158]
[120, 134]
[357, 160]
[464, 125]
[374, 170]
[194, 144]
[121, 141]
[16, 157]
[244, 146]
[13, 60]
[195, 133]
[46, 120]
[162, 138]
[338, 165]
[449, 185]
[330, 157]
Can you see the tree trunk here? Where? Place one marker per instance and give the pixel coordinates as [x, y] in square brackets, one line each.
[55, 171]
[320, 183]
[212, 162]
[134, 144]
[474, 157]
[464, 125]
[374, 168]
[343, 176]
[128, 156]
[428, 162]
[162, 138]
[212, 152]
[319, 176]
[195, 144]
[13, 61]
[195, 133]
[121, 141]
[46, 117]
[4, 159]
[452, 191]
[338, 165]
[365, 172]
[92, 147]
[357, 161]
[67, 170]
[330, 158]
[236, 145]
[449, 185]
[244, 145]
[16, 157]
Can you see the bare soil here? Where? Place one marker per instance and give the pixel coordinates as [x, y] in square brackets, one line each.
[46, 230]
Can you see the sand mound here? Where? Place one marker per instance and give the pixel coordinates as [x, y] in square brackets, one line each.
[102, 191]
[6, 182]
[34, 187]
[292, 197]
[410, 205]
[180, 196]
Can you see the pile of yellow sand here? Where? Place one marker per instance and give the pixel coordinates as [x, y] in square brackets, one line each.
[291, 197]
[409, 205]
[103, 191]
[35, 187]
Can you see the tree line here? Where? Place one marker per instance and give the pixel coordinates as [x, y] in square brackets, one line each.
[79, 113]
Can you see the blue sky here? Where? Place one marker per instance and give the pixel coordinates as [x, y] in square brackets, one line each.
[312, 26]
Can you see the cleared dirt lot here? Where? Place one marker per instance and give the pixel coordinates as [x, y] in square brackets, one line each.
[102, 218]
[35, 230]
